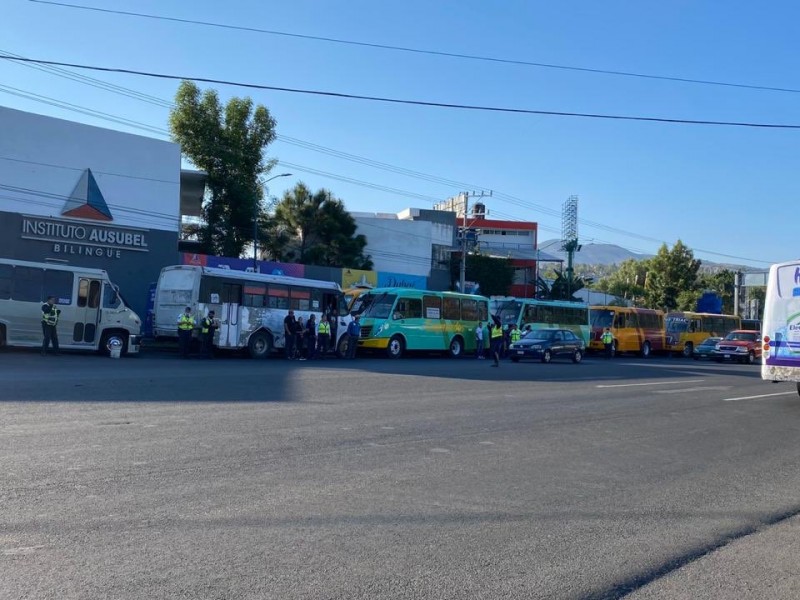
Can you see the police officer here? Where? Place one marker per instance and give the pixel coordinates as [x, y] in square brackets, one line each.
[608, 342]
[207, 328]
[323, 336]
[515, 334]
[186, 324]
[496, 336]
[50, 316]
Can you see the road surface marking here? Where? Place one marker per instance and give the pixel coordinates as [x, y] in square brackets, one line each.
[759, 396]
[616, 385]
[440, 450]
[694, 389]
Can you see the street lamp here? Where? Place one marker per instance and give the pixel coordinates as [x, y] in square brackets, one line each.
[255, 222]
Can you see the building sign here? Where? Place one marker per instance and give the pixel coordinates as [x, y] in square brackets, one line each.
[84, 239]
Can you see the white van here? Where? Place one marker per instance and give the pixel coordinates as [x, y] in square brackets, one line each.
[781, 325]
[93, 314]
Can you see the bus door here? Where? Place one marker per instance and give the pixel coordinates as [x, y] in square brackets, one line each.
[231, 317]
[87, 314]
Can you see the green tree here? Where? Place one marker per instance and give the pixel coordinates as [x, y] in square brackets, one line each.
[671, 272]
[316, 229]
[627, 282]
[494, 275]
[559, 288]
[228, 143]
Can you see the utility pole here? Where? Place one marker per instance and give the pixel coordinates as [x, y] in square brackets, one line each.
[466, 238]
[736, 277]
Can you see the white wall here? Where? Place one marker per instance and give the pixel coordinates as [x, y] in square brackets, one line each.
[398, 246]
[44, 158]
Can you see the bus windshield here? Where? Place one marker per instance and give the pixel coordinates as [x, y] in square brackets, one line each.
[380, 307]
[508, 312]
[602, 318]
[677, 324]
[361, 303]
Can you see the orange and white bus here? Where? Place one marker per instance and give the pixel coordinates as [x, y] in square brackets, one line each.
[638, 330]
[685, 330]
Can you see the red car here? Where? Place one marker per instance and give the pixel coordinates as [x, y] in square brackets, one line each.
[741, 345]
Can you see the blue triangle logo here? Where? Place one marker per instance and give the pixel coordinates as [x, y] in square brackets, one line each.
[87, 201]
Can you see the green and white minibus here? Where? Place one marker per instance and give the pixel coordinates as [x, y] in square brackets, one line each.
[541, 314]
[781, 325]
[93, 313]
[399, 319]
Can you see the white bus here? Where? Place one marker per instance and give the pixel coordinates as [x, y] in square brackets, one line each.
[780, 327]
[250, 307]
[93, 314]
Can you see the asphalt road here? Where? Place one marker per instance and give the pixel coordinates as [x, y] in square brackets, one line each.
[153, 477]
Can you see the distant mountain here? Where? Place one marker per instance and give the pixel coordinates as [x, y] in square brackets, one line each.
[593, 254]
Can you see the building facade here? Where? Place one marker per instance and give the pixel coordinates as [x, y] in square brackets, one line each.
[76, 194]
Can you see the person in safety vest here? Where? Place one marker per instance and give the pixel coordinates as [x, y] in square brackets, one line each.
[323, 336]
[496, 336]
[207, 328]
[186, 324]
[515, 335]
[608, 342]
[50, 316]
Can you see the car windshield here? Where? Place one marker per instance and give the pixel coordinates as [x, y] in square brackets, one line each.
[740, 336]
[539, 335]
[380, 307]
[602, 318]
[712, 341]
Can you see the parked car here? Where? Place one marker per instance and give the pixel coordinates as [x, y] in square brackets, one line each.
[740, 345]
[545, 344]
[705, 348]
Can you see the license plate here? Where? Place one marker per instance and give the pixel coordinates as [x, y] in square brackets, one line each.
[520, 351]
[727, 356]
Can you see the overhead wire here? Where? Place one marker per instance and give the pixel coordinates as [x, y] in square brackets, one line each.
[423, 51]
[406, 101]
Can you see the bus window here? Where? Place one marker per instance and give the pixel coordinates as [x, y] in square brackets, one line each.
[255, 295]
[300, 298]
[28, 284]
[483, 311]
[58, 284]
[83, 292]
[408, 308]
[452, 309]
[110, 297]
[380, 307]
[469, 310]
[6, 275]
[432, 307]
[94, 294]
[278, 296]
[602, 318]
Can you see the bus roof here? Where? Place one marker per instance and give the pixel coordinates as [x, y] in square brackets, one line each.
[262, 277]
[54, 266]
[398, 290]
[626, 308]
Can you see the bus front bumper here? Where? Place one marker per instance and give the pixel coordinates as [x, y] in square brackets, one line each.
[374, 343]
[134, 344]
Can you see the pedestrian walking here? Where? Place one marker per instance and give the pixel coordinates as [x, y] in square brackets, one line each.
[608, 342]
[289, 325]
[311, 337]
[496, 334]
[50, 315]
[186, 325]
[353, 333]
[323, 336]
[479, 341]
[207, 328]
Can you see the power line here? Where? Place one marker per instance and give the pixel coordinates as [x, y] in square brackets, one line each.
[408, 102]
[423, 51]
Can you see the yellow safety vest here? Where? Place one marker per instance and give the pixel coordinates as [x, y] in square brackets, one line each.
[206, 324]
[324, 328]
[515, 335]
[497, 332]
[607, 338]
[50, 316]
[186, 322]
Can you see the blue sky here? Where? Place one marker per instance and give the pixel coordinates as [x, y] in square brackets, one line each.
[719, 189]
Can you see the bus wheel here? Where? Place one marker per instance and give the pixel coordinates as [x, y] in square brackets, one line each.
[113, 338]
[260, 345]
[798, 389]
[688, 350]
[341, 347]
[456, 347]
[396, 347]
[646, 350]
